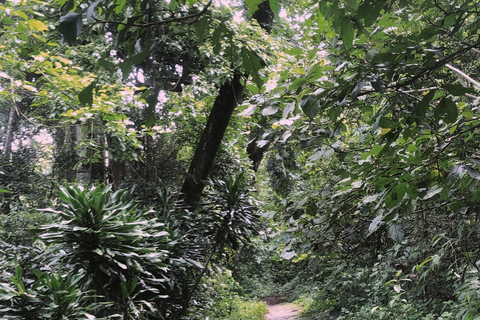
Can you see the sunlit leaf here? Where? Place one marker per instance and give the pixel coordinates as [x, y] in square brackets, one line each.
[288, 255]
[435, 189]
[37, 25]
[269, 111]
[375, 224]
[395, 232]
[276, 7]
[253, 5]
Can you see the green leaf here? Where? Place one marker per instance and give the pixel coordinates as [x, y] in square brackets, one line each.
[396, 232]
[310, 106]
[422, 106]
[395, 196]
[375, 224]
[269, 111]
[418, 267]
[388, 123]
[37, 25]
[119, 5]
[293, 51]
[288, 255]
[353, 4]
[216, 40]
[432, 192]
[297, 83]
[252, 64]
[457, 89]
[202, 29]
[346, 32]
[447, 110]
[70, 26]
[370, 10]
[86, 95]
[275, 6]
[253, 5]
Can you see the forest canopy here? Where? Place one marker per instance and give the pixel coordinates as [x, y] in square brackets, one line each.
[144, 143]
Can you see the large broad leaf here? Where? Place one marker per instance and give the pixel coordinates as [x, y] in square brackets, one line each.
[288, 255]
[202, 28]
[432, 192]
[396, 232]
[86, 95]
[253, 5]
[447, 110]
[388, 123]
[152, 101]
[37, 25]
[252, 63]
[422, 106]
[457, 89]
[370, 10]
[396, 196]
[310, 106]
[346, 32]
[269, 111]
[375, 224]
[90, 11]
[275, 6]
[70, 26]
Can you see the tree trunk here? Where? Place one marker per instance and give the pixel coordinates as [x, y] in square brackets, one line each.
[217, 123]
[7, 144]
[67, 155]
[256, 153]
[116, 167]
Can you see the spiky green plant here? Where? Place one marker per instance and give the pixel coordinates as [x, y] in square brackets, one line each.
[125, 251]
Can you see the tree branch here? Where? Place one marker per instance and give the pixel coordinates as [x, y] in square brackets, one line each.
[437, 65]
[463, 75]
[194, 16]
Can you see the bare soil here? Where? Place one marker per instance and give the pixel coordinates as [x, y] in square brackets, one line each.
[278, 310]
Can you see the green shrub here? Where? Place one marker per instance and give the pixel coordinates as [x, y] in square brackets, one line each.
[15, 226]
[133, 261]
[49, 296]
[247, 309]
[221, 298]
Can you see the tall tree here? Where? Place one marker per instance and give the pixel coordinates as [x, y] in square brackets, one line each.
[229, 95]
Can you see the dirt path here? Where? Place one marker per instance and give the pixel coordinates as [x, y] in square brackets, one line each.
[277, 310]
[284, 311]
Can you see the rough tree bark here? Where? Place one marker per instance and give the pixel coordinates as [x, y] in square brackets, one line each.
[207, 148]
[217, 123]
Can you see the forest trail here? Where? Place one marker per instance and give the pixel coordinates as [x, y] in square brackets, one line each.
[281, 311]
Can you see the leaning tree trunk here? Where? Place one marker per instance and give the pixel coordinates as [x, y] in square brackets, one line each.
[218, 120]
[211, 139]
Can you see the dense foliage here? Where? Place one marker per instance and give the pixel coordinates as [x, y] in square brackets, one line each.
[355, 120]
